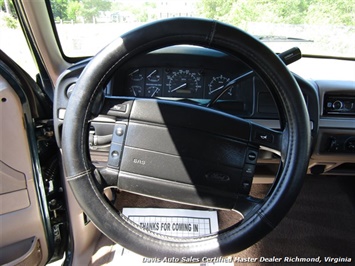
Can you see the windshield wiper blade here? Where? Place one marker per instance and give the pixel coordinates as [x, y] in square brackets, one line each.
[275, 38]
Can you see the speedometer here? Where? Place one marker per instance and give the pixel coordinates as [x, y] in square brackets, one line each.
[184, 83]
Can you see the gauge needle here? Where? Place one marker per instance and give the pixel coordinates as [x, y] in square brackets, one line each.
[134, 92]
[155, 92]
[151, 73]
[219, 88]
[179, 87]
[133, 72]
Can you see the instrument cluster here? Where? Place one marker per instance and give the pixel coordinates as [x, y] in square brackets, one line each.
[193, 83]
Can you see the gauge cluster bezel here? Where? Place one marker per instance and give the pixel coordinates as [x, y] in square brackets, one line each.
[187, 73]
[193, 83]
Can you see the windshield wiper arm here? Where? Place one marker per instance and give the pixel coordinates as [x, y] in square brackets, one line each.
[276, 38]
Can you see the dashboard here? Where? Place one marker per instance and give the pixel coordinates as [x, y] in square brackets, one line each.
[199, 75]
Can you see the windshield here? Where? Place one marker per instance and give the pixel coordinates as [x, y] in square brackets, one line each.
[317, 27]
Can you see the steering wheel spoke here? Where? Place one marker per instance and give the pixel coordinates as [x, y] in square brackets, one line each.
[246, 204]
[107, 177]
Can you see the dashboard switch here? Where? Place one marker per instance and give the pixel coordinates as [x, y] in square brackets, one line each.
[116, 148]
[119, 108]
[252, 156]
[248, 170]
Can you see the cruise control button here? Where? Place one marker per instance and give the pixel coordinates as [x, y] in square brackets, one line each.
[115, 155]
[119, 133]
[262, 136]
[246, 187]
[248, 170]
[251, 156]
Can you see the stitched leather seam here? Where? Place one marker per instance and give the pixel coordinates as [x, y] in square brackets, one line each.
[212, 33]
[265, 219]
[71, 178]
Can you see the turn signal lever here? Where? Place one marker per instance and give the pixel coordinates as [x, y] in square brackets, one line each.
[291, 55]
[99, 142]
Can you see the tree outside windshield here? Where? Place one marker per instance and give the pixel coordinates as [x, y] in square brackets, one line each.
[318, 27]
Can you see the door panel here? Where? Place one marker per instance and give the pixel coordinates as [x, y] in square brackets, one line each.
[13, 189]
[22, 234]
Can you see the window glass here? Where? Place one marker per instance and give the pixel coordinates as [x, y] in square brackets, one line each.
[318, 27]
[13, 41]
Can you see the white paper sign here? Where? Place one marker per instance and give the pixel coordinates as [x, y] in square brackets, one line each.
[171, 222]
[174, 222]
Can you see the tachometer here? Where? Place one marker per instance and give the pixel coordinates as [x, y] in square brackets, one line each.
[216, 85]
[184, 83]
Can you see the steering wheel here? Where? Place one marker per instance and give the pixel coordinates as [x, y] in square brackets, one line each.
[182, 152]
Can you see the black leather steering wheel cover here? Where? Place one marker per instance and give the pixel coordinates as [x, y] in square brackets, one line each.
[81, 175]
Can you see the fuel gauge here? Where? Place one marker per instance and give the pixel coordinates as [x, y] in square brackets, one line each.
[136, 91]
